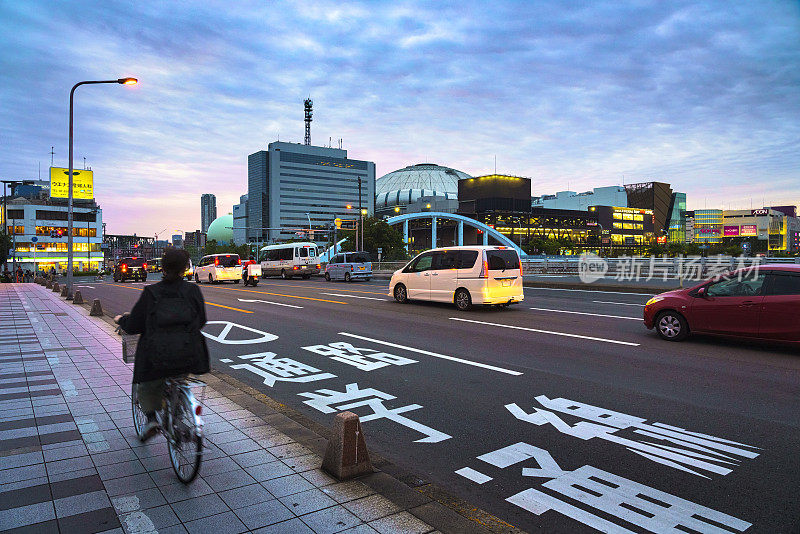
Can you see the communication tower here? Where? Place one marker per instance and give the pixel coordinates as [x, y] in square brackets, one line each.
[308, 104]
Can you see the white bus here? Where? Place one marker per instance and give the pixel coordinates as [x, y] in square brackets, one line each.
[289, 259]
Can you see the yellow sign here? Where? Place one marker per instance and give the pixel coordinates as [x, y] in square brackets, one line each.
[338, 222]
[82, 183]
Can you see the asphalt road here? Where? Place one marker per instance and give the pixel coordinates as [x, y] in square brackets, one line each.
[562, 414]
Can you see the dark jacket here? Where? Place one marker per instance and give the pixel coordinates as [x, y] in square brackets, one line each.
[137, 323]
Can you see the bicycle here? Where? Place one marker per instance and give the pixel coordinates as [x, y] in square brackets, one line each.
[180, 422]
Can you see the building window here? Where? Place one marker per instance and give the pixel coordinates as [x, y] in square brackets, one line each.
[16, 230]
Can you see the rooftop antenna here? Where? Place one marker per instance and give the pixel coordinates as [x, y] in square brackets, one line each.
[330, 141]
[308, 104]
[52, 153]
[84, 163]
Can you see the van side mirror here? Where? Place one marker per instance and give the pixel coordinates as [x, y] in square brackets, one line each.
[702, 293]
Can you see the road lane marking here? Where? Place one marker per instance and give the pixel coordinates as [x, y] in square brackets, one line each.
[268, 302]
[321, 286]
[475, 476]
[620, 303]
[434, 354]
[279, 295]
[207, 302]
[352, 296]
[587, 313]
[90, 287]
[588, 291]
[591, 338]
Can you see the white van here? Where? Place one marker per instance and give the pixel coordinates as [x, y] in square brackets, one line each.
[216, 268]
[465, 276]
[289, 259]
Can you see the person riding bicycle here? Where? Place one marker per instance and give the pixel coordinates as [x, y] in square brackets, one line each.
[169, 316]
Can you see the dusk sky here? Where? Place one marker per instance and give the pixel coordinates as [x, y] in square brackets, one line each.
[702, 95]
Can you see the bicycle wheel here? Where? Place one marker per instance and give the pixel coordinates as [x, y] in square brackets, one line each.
[184, 442]
[139, 417]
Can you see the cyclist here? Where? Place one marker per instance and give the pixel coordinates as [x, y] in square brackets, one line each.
[169, 316]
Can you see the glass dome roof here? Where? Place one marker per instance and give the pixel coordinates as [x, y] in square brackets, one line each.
[408, 184]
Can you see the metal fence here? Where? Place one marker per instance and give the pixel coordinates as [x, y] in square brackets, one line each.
[633, 267]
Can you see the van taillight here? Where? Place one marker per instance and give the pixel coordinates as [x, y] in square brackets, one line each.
[351, 269]
[144, 266]
[124, 268]
[319, 266]
[239, 261]
[296, 268]
[485, 267]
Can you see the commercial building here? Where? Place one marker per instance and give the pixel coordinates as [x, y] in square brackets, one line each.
[768, 229]
[614, 195]
[208, 211]
[38, 228]
[240, 221]
[625, 229]
[196, 239]
[417, 188]
[292, 187]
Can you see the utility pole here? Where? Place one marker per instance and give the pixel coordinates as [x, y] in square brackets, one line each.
[361, 217]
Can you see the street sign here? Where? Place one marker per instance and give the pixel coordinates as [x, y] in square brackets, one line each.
[34, 239]
[380, 250]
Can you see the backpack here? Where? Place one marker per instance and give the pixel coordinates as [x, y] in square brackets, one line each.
[173, 342]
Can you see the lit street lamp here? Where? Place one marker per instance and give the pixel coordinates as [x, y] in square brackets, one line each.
[123, 81]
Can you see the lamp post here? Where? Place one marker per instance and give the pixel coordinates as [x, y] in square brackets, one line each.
[94, 211]
[309, 225]
[123, 81]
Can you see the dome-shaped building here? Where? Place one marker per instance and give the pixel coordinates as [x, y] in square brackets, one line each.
[404, 187]
[221, 230]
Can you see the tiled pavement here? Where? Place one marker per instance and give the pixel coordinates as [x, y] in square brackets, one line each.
[70, 462]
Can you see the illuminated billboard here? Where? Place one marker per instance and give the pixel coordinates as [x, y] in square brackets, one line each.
[748, 230]
[82, 183]
[731, 231]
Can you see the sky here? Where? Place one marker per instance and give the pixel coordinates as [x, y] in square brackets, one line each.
[572, 94]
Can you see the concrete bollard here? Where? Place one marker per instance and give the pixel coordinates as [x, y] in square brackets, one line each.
[56, 287]
[97, 310]
[347, 456]
[64, 291]
[49, 284]
[77, 298]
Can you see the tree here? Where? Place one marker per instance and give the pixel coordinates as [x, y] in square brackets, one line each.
[377, 234]
[5, 246]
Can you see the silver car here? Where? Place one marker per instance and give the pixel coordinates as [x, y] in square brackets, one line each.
[349, 266]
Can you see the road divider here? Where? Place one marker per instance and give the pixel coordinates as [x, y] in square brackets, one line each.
[549, 332]
[352, 296]
[587, 313]
[434, 354]
[269, 302]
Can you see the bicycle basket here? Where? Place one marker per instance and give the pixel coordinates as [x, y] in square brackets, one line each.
[129, 343]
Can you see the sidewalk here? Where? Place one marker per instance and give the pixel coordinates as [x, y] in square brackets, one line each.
[71, 463]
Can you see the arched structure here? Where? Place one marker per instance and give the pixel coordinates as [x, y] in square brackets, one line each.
[434, 216]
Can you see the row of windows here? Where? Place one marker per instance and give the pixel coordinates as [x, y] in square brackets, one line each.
[76, 232]
[308, 159]
[351, 198]
[337, 179]
[326, 171]
[57, 247]
[346, 186]
[628, 216]
[629, 226]
[54, 215]
[776, 284]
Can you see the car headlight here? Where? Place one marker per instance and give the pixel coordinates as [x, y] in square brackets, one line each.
[654, 300]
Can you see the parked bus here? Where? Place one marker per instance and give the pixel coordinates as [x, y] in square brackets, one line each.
[289, 259]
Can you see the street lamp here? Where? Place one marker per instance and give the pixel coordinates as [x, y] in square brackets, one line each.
[122, 81]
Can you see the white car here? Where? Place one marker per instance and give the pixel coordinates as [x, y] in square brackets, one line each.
[465, 276]
[216, 268]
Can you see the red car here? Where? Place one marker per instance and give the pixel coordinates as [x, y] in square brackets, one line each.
[761, 303]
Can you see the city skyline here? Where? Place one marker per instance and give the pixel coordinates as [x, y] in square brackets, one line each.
[702, 96]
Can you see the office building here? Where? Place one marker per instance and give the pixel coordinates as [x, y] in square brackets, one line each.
[292, 187]
[240, 221]
[177, 241]
[196, 240]
[208, 211]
